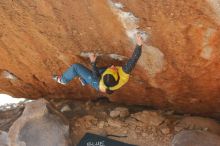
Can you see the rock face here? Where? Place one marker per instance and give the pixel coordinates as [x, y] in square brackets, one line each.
[3, 138]
[9, 117]
[39, 125]
[179, 68]
[196, 138]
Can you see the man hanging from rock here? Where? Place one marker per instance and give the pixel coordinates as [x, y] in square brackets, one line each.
[102, 79]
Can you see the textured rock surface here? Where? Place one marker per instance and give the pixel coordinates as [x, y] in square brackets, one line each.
[196, 138]
[119, 112]
[3, 138]
[94, 117]
[149, 117]
[199, 123]
[179, 68]
[39, 125]
[128, 129]
[8, 117]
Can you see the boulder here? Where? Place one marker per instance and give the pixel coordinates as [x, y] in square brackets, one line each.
[3, 138]
[40, 125]
[199, 123]
[195, 138]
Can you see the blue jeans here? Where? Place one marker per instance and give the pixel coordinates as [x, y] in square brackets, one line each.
[79, 70]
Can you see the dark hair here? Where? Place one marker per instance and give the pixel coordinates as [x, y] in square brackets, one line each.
[109, 80]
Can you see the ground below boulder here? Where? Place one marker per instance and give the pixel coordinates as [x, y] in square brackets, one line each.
[136, 125]
[179, 67]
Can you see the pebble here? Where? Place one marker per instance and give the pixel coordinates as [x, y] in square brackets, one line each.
[178, 128]
[121, 112]
[65, 108]
[165, 130]
[101, 124]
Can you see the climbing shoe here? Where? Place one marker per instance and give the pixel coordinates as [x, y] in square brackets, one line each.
[58, 79]
[82, 81]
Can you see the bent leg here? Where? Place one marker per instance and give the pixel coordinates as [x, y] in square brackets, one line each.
[77, 70]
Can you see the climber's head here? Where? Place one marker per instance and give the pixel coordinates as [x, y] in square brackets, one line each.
[110, 78]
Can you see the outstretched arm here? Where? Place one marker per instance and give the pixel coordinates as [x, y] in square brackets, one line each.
[95, 71]
[129, 66]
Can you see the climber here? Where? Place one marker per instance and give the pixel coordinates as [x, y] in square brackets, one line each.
[105, 79]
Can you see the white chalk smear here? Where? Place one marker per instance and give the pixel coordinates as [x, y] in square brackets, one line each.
[6, 74]
[128, 20]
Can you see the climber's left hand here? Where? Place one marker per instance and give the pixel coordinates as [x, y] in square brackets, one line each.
[92, 57]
